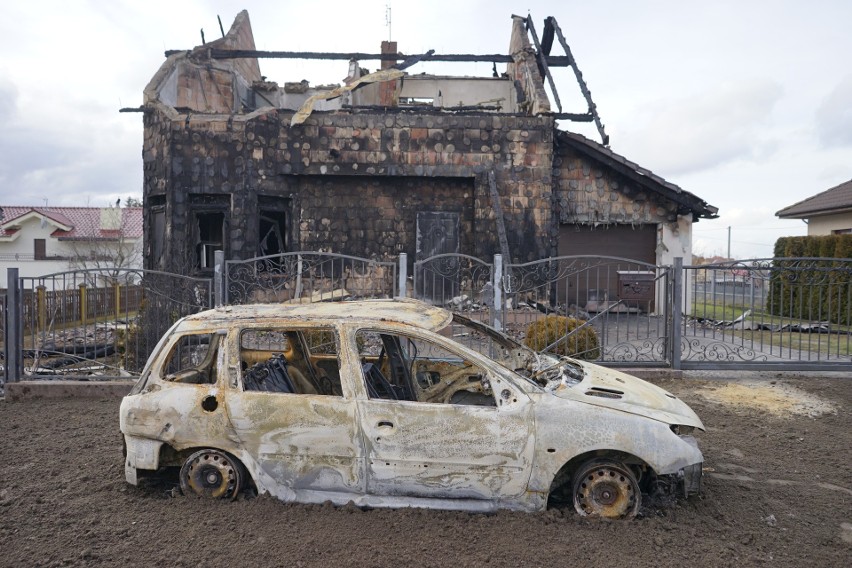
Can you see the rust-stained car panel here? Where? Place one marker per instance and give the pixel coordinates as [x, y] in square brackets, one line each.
[375, 402]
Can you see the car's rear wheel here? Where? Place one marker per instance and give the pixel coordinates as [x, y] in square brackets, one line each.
[211, 473]
[607, 489]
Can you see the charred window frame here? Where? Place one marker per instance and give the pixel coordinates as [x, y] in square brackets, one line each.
[210, 220]
[156, 244]
[280, 360]
[192, 359]
[405, 367]
[273, 225]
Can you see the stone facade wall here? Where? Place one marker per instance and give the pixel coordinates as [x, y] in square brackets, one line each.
[377, 216]
[586, 192]
[402, 160]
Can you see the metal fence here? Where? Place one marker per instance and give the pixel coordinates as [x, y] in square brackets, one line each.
[97, 322]
[771, 313]
[307, 277]
[458, 282]
[793, 313]
[625, 302]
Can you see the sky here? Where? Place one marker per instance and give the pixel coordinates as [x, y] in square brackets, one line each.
[747, 104]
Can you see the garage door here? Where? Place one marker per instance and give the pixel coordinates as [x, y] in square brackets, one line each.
[592, 287]
[637, 242]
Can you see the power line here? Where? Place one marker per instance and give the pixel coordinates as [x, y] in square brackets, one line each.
[739, 229]
[739, 242]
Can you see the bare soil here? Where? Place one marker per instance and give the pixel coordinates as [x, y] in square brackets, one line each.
[778, 492]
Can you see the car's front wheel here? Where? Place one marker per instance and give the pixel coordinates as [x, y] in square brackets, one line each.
[608, 489]
[211, 473]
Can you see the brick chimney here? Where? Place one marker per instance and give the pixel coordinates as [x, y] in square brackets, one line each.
[110, 218]
[387, 89]
[388, 47]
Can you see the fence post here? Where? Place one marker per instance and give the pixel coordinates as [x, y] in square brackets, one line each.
[41, 308]
[403, 275]
[218, 277]
[116, 290]
[298, 295]
[676, 311]
[13, 346]
[497, 285]
[84, 309]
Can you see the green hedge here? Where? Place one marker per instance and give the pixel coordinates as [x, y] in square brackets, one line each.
[812, 290]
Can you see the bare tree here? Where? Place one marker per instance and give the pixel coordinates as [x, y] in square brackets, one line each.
[103, 246]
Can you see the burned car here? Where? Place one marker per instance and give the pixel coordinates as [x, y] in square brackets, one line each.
[396, 403]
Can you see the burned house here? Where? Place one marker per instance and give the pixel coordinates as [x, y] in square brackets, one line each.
[389, 162]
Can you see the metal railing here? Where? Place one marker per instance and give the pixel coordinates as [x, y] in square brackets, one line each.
[776, 313]
[625, 301]
[307, 277]
[790, 313]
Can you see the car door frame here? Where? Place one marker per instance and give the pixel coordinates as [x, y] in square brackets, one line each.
[414, 465]
[280, 432]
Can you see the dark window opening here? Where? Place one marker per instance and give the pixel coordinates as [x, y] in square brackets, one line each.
[272, 233]
[193, 360]
[211, 237]
[417, 101]
[290, 361]
[158, 234]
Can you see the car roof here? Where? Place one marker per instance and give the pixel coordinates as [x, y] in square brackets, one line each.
[405, 311]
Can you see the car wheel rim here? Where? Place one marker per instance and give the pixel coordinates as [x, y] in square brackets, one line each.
[608, 491]
[210, 474]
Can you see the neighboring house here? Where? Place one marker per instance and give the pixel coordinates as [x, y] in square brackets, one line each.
[409, 163]
[826, 213]
[45, 240]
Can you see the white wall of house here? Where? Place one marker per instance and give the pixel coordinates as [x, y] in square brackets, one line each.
[19, 251]
[673, 240]
[827, 224]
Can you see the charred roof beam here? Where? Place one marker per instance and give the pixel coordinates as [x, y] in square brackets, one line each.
[551, 27]
[554, 61]
[541, 57]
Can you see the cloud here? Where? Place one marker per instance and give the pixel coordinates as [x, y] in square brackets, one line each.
[67, 164]
[834, 116]
[698, 133]
[8, 100]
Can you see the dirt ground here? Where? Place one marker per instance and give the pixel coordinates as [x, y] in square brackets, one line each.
[778, 492]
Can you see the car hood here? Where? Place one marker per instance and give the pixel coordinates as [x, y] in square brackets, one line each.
[613, 389]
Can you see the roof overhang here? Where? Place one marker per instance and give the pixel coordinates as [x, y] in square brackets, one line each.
[33, 214]
[814, 213]
[688, 202]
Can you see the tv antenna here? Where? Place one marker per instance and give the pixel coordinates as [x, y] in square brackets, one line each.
[388, 19]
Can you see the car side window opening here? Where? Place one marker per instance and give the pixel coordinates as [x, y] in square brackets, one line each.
[402, 367]
[192, 359]
[290, 361]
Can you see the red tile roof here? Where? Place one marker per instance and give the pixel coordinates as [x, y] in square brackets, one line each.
[85, 222]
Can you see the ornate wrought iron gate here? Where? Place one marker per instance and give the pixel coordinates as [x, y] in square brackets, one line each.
[627, 302]
[775, 313]
[307, 277]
